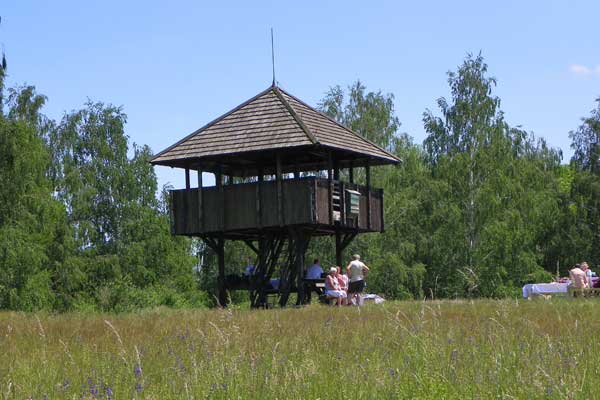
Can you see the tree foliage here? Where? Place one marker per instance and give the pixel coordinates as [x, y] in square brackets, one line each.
[479, 209]
[80, 224]
[475, 211]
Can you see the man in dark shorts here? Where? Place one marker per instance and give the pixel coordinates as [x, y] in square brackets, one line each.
[356, 270]
[356, 286]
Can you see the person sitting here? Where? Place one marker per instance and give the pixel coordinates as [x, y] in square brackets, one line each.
[249, 268]
[356, 270]
[343, 281]
[578, 278]
[314, 271]
[332, 288]
[313, 274]
[275, 283]
[589, 274]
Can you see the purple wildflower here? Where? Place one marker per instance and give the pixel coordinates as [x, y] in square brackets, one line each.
[180, 365]
[137, 370]
[109, 393]
[454, 355]
[138, 387]
[94, 391]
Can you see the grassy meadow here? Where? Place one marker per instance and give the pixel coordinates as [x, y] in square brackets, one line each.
[426, 350]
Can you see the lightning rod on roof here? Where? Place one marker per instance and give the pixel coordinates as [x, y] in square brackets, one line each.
[273, 56]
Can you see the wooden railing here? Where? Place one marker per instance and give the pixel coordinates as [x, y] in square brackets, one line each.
[254, 206]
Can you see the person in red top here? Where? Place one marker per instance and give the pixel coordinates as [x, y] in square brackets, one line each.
[343, 281]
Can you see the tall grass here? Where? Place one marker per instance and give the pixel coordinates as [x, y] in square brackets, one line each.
[428, 350]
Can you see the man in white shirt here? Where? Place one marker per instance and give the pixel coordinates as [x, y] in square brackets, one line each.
[315, 270]
[356, 270]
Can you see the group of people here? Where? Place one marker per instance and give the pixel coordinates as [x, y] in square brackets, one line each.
[341, 288]
[345, 289]
[581, 276]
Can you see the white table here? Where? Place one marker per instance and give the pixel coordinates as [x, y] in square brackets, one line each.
[544, 288]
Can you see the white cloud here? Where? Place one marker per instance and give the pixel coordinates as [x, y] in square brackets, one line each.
[580, 69]
[597, 70]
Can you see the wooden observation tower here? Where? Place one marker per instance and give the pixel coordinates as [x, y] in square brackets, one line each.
[277, 165]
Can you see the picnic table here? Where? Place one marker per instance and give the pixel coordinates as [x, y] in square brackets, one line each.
[314, 285]
[561, 288]
[533, 289]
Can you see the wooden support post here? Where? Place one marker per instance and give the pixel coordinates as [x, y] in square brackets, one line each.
[300, 249]
[221, 277]
[252, 246]
[368, 176]
[348, 238]
[259, 199]
[200, 203]
[218, 178]
[279, 183]
[342, 203]
[188, 220]
[172, 213]
[338, 248]
[330, 186]
[219, 183]
[351, 173]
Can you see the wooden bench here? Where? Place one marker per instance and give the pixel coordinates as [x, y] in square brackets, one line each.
[587, 292]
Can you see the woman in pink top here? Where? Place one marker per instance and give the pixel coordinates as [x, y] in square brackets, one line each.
[343, 281]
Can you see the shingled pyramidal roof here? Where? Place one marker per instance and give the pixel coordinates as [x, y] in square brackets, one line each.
[272, 121]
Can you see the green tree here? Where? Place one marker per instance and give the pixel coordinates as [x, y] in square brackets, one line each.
[585, 142]
[370, 114]
[579, 240]
[124, 255]
[34, 238]
[498, 191]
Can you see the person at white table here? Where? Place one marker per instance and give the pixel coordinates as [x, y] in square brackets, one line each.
[588, 274]
[578, 278]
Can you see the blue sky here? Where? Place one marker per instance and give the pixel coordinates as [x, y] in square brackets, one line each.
[176, 65]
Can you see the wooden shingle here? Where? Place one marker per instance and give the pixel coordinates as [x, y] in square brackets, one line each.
[271, 121]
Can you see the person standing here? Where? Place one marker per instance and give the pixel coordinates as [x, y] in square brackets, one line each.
[356, 270]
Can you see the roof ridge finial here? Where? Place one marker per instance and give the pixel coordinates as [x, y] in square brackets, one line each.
[273, 58]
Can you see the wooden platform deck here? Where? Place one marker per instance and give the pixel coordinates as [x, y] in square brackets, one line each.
[244, 211]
